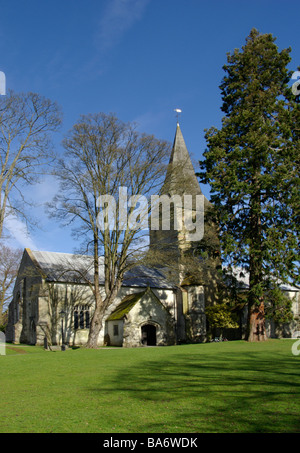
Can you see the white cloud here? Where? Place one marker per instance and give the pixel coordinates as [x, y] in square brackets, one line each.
[116, 19]
[119, 16]
[40, 193]
[19, 232]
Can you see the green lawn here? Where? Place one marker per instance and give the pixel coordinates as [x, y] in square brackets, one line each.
[216, 387]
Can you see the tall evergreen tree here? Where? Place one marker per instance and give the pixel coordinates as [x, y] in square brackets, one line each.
[252, 165]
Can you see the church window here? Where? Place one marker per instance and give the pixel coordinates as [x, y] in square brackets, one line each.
[76, 323]
[82, 317]
[116, 330]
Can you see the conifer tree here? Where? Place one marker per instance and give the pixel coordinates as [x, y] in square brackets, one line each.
[252, 165]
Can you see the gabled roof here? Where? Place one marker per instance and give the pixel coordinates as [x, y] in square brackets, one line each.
[68, 267]
[129, 302]
[63, 267]
[125, 306]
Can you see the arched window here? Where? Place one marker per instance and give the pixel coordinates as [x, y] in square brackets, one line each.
[82, 317]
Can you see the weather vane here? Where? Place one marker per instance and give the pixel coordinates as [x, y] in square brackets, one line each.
[178, 111]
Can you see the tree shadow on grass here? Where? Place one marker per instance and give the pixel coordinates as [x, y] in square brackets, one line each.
[211, 394]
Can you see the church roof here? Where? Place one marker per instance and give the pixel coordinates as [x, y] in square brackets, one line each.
[125, 306]
[68, 267]
[62, 266]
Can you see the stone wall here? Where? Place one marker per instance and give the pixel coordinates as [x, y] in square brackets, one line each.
[195, 319]
[23, 310]
[148, 311]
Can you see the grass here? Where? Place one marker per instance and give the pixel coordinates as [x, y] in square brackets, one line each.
[213, 388]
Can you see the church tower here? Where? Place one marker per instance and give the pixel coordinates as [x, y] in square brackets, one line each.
[187, 204]
[182, 249]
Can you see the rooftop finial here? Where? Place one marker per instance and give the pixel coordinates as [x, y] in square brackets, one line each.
[178, 111]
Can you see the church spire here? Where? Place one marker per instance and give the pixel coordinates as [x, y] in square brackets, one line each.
[181, 172]
[180, 180]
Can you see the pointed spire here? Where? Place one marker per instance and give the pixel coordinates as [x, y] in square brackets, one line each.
[181, 171]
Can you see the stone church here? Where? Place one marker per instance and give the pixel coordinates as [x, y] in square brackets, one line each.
[51, 303]
[150, 309]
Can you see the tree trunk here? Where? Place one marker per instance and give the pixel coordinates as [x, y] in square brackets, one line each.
[101, 305]
[256, 323]
[256, 311]
[95, 327]
[97, 319]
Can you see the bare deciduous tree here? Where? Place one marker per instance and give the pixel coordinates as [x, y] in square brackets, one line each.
[26, 120]
[102, 155]
[9, 263]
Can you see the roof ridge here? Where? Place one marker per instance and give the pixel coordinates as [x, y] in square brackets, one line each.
[60, 253]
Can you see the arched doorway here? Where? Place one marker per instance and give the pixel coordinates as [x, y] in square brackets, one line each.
[149, 335]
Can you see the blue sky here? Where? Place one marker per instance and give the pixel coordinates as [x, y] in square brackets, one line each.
[139, 59]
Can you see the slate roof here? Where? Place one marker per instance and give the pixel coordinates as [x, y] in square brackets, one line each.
[68, 267]
[63, 267]
[144, 276]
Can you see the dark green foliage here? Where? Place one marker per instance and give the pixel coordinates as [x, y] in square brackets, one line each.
[252, 165]
[221, 316]
[278, 306]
